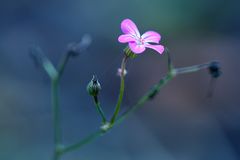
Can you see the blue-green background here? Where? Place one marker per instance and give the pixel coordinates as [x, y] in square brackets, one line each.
[179, 124]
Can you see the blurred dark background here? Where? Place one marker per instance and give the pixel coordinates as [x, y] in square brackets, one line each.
[179, 124]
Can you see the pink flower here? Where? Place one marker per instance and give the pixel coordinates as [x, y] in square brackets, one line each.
[138, 43]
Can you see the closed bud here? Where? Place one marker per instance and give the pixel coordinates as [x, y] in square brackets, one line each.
[93, 87]
[215, 70]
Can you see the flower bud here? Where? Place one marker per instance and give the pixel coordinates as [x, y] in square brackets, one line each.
[215, 70]
[119, 72]
[93, 87]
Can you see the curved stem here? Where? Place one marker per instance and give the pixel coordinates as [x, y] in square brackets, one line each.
[63, 63]
[120, 96]
[99, 109]
[148, 96]
[83, 142]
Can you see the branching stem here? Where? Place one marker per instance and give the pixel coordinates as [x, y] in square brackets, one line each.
[173, 72]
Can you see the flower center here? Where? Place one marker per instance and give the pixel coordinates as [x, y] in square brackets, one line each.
[140, 41]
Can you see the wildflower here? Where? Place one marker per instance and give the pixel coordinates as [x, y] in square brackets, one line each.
[138, 43]
[119, 72]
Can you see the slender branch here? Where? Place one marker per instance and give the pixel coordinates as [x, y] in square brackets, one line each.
[148, 96]
[99, 109]
[54, 76]
[169, 60]
[63, 63]
[83, 142]
[56, 117]
[49, 68]
[195, 68]
[120, 97]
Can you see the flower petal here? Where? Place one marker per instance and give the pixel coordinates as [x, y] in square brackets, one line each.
[158, 48]
[129, 27]
[126, 38]
[136, 48]
[151, 36]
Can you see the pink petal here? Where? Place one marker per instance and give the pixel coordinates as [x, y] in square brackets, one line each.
[151, 36]
[158, 48]
[136, 48]
[126, 38]
[129, 27]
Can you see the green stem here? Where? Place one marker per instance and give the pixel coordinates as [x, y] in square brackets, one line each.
[83, 142]
[141, 101]
[55, 75]
[148, 96]
[63, 63]
[56, 117]
[195, 68]
[99, 109]
[120, 96]
[49, 68]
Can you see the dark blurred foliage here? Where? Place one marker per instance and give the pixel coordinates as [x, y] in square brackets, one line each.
[179, 124]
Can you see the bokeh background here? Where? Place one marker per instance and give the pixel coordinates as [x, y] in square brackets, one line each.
[179, 124]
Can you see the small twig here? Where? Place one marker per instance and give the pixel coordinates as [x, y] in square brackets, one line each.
[194, 68]
[63, 62]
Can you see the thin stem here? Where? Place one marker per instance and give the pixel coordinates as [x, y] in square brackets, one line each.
[99, 109]
[83, 142]
[194, 68]
[63, 63]
[141, 101]
[56, 117]
[148, 96]
[169, 60]
[120, 96]
[53, 75]
[49, 68]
